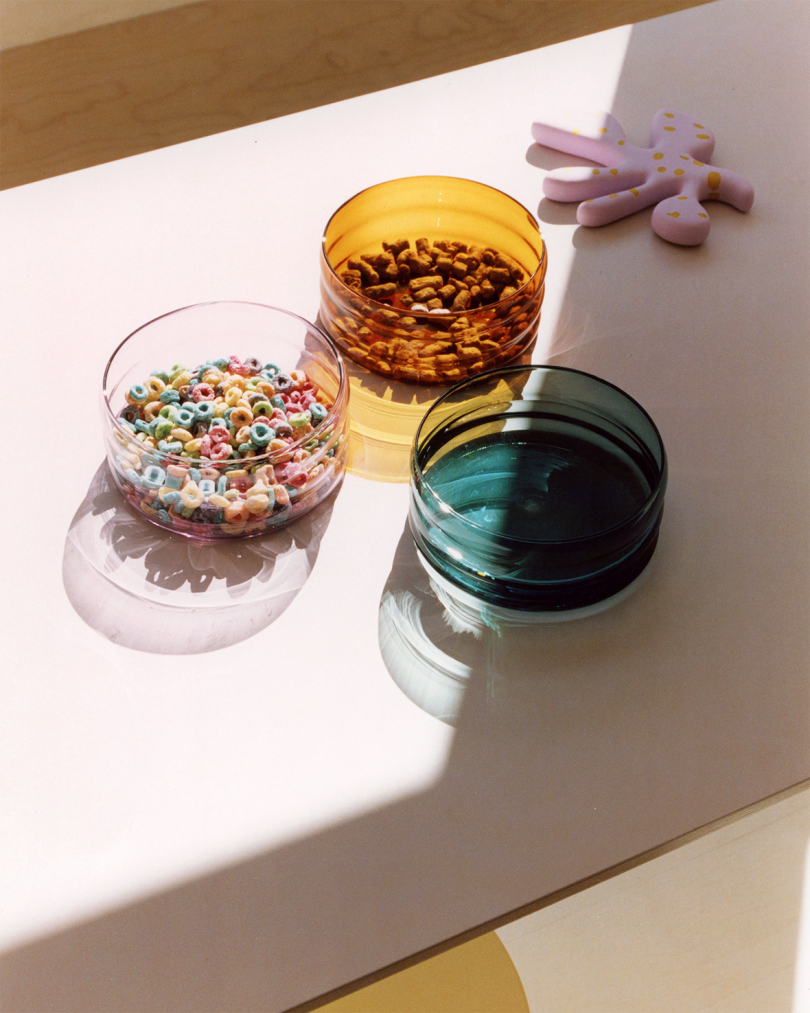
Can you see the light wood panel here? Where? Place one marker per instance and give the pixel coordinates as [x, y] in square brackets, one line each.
[713, 926]
[120, 89]
[26, 21]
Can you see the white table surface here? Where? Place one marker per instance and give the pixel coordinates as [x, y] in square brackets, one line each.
[237, 808]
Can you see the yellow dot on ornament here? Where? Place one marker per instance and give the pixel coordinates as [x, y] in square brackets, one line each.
[595, 172]
[702, 137]
[662, 168]
[669, 128]
[714, 180]
[614, 172]
[634, 192]
[702, 215]
[674, 214]
[658, 155]
[679, 172]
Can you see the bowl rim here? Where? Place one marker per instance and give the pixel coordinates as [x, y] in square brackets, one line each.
[446, 314]
[420, 482]
[333, 416]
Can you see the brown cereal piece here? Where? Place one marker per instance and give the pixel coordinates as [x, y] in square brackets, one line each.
[377, 260]
[352, 278]
[407, 300]
[388, 317]
[384, 264]
[467, 352]
[444, 265]
[397, 248]
[434, 281]
[481, 272]
[461, 301]
[499, 276]
[419, 266]
[488, 293]
[349, 323]
[435, 304]
[447, 293]
[424, 295]
[404, 372]
[380, 292]
[422, 247]
[507, 290]
[474, 258]
[468, 337]
[459, 269]
[512, 266]
[436, 348]
[367, 272]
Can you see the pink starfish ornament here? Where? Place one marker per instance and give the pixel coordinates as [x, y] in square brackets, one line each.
[673, 173]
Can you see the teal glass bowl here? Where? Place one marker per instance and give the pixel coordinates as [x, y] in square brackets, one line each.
[537, 489]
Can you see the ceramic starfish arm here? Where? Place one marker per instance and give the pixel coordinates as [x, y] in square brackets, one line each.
[597, 137]
[577, 183]
[681, 219]
[618, 204]
[724, 185]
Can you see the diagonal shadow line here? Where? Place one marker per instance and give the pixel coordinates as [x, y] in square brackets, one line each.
[539, 763]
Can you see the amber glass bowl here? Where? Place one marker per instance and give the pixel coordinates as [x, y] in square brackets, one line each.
[440, 345]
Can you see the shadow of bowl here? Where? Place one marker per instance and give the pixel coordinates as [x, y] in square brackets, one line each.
[145, 588]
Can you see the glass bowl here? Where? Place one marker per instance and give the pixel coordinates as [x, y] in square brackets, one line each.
[390, 320]
[536, 489]
[225, 419]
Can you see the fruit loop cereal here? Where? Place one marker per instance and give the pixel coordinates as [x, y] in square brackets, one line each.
[231, 447]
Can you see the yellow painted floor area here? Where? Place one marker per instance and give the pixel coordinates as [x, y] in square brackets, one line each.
[474, 977]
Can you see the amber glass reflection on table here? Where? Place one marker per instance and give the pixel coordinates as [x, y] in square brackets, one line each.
[398, 343]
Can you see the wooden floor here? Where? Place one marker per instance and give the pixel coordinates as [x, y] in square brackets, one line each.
[150, 81]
